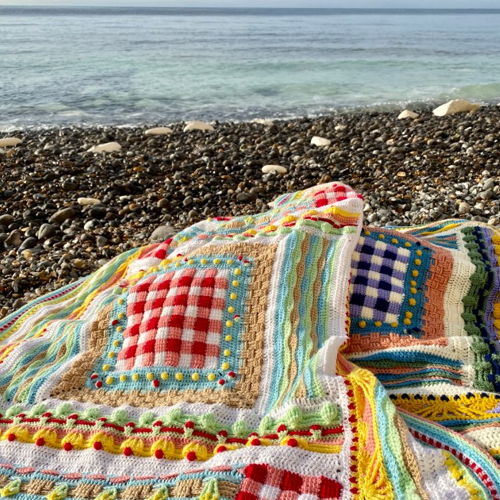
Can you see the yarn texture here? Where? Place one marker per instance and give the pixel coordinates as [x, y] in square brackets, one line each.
[292, 354]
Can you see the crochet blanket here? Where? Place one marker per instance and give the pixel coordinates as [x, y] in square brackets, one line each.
[293, 354]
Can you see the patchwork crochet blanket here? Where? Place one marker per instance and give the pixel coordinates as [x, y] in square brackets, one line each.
[293, 354]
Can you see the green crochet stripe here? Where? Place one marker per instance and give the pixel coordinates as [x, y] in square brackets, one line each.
[477, 294]
[328, 415]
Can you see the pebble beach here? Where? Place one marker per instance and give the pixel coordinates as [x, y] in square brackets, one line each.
[64, 211]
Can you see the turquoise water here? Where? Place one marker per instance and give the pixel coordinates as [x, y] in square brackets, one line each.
[130, 66]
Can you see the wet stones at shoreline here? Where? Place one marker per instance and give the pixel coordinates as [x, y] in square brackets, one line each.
[409, 170]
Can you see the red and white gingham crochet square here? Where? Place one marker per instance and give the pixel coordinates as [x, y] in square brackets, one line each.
[175, 319]
[263, 482]
[333, 193]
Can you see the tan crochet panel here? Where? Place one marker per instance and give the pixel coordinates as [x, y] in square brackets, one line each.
[246, 390]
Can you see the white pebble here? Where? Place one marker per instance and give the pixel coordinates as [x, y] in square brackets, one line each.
[88, 201]
[107, 147]
[10, 141]
[275, 169]
[158, 131]
[407, 114]
[320, 141]
[455, 106]
[197, 125]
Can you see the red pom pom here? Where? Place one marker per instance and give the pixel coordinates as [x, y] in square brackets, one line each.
[98, 384]
[255, 442]
[156, 383]
[191, 456]
[292, 442]
[97, 445]
[11, 437]
[128, 451]
[40, 442]
[159, 454]
[222, 381]
[189, 424]
[68, 446]
[221, 449]
[282, 428]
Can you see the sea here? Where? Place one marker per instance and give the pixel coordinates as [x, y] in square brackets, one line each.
[131, 66]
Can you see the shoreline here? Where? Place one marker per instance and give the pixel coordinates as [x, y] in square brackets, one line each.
[410, 172]
[423, 106]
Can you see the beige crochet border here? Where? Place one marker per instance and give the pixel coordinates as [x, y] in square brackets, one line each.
[246, 390]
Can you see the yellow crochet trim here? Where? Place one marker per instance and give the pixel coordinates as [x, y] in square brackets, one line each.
[463, 408]
[462, 477]
[372, 477]
[139, 447]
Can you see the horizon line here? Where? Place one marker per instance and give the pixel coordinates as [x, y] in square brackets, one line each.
[246, 8]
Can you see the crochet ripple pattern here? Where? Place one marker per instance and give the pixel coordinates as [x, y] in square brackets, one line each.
[293, 354]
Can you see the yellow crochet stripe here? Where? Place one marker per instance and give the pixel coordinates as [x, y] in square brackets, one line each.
[441, 229]
[144, 448]
[464, 408]
[462, 477]
[13, 329]
[451, 223]
[78, 312]
[373, 480]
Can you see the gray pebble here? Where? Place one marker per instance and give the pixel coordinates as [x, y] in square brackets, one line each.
[46, 231]
[14, 239]
[161, 233]
[62, 215]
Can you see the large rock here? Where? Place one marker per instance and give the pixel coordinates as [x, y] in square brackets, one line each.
[274, 169]
[107, 147]
[320, 141]
[407, 114]
[10, 141]
[85, 202]
[159, 131]
[456, 106]
[196, 125]
[161, 233]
